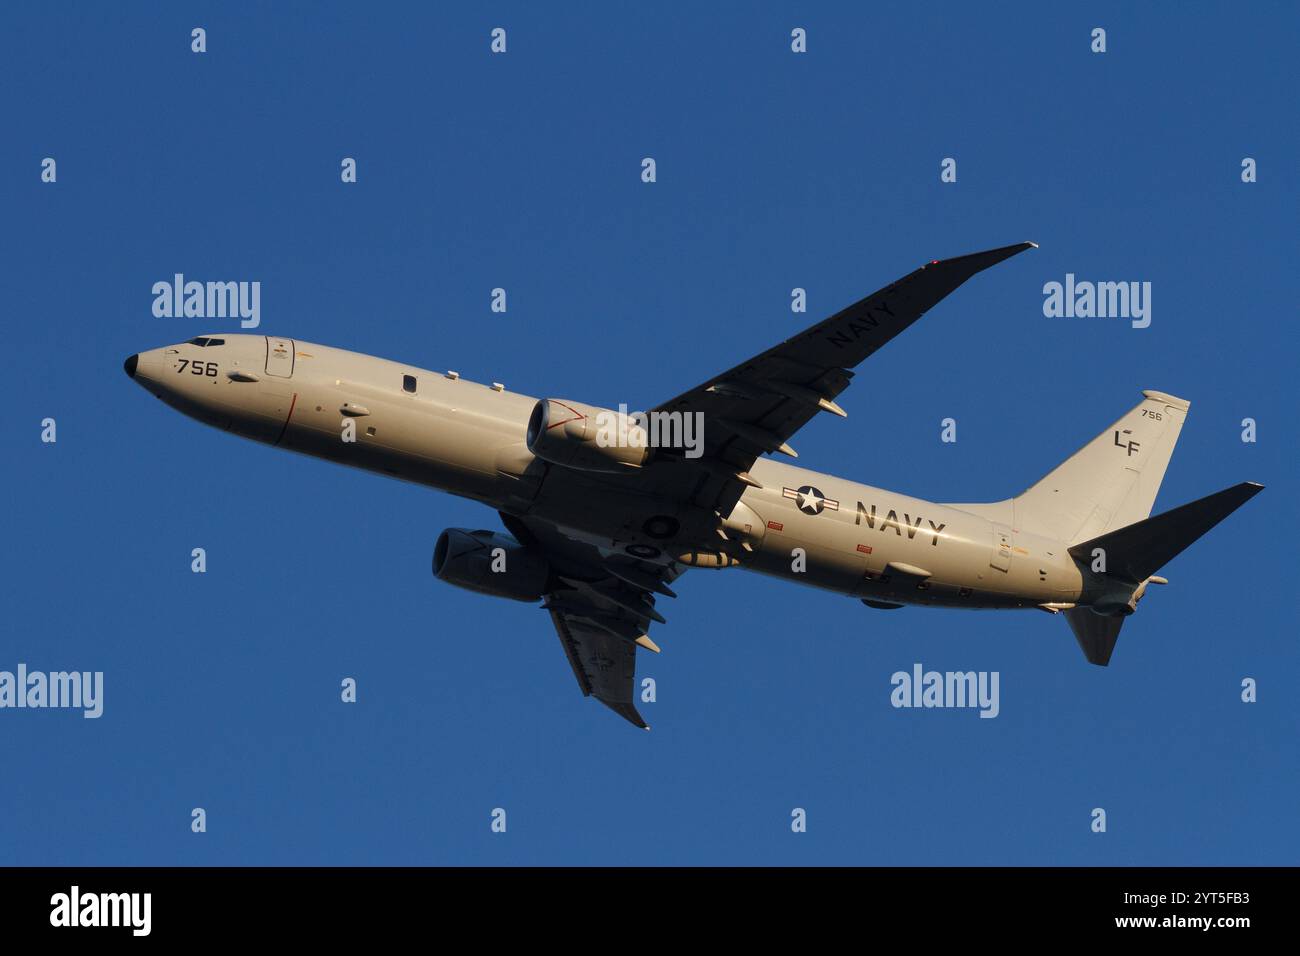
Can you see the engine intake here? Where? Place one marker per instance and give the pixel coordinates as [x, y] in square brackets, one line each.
[490, 563]
[586, 437]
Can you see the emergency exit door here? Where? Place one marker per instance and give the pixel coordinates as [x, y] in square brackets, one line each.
[279, 357]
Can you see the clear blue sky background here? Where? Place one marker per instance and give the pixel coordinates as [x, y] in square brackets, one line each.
[522, 171]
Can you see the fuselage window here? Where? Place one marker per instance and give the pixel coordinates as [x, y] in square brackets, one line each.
[408, 383]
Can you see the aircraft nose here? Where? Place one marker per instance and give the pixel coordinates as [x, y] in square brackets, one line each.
[130, 364]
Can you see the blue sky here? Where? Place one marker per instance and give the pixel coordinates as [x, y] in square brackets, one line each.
[775, 170]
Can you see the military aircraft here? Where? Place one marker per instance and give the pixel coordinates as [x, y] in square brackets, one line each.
[604, 510]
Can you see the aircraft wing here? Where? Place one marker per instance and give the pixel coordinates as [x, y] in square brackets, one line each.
[602, 606]
[604, 665]
[757, 406]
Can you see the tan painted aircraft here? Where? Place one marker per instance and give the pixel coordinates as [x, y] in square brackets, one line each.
[605, 510]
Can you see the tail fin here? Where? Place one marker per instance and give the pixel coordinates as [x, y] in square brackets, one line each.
[1112, 481]
[1136, 552]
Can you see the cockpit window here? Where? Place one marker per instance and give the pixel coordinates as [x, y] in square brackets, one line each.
[199, 342]
[202, 342]
[212, 342]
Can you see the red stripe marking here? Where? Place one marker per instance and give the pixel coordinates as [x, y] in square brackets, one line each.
[577, 416]
[285, 426]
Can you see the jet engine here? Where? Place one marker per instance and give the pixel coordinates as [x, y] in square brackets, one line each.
[585, 437]
[490, 563]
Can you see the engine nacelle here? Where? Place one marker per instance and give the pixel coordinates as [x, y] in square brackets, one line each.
[586, 437]
[490, 563]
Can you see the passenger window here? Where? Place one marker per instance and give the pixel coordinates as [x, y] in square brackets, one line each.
[408, 383]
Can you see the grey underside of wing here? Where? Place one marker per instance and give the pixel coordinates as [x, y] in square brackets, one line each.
[595, 610]
[604, 665]
[753, 408]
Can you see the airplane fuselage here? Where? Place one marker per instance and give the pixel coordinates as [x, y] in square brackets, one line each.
[468, 439]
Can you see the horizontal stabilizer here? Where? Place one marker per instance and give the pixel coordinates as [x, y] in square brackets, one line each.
[1096, 634]
[1136, 552]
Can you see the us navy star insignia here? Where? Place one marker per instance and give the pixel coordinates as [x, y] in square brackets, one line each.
[810, 500]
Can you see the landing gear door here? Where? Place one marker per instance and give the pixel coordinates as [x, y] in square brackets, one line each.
[1001, 559]
[279, 357]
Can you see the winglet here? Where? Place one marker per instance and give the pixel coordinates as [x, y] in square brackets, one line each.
[983, 260]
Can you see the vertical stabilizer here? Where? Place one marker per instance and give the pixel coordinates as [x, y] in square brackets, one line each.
[1112, 481]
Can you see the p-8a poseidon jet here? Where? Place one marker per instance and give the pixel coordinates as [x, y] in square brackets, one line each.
[601, 517]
